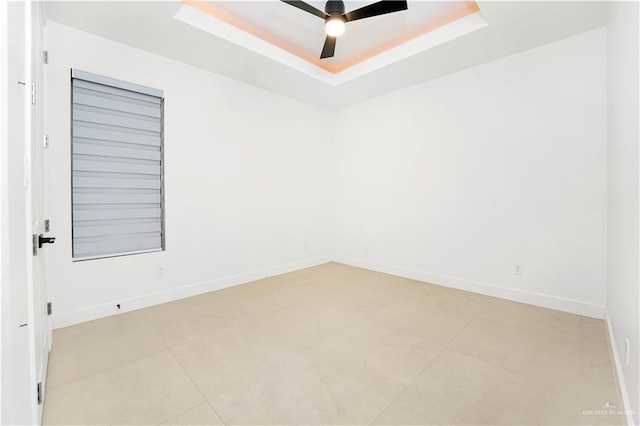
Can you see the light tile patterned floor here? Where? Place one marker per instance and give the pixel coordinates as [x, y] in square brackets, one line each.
[333, 345]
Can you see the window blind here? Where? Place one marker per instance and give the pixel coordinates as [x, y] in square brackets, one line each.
[117, 167]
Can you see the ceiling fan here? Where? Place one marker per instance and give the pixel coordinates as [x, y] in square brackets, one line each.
[335, 18]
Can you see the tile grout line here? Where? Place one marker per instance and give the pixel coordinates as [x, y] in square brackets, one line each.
[383, 410]
[519, 373]
[315, 352]
[443, 347]
[395, 331]
[170, 350]
[113, 367]
[511, 371]
[458, 333]
[432, 359]
[197, 387]
[184, 370]
[154, 328]
[108, 369]
[220, 320]
[248, 316]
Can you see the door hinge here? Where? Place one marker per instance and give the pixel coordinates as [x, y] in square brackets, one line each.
[49, 309]
[33, 93]
[39, 390]
[35, 244]
[47, 225]
[45, 142]
[45, 56]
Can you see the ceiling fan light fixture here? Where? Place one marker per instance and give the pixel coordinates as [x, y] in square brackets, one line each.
[334, 26]
[335, 18]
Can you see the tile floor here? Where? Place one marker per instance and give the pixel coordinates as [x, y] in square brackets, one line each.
[333, 345]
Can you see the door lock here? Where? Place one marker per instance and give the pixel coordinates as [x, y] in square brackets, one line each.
[45, 240]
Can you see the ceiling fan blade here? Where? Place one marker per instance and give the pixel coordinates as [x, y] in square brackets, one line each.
[329, 47]
[375, 9]
[306, 7]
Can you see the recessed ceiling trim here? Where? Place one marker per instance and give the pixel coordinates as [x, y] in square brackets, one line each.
[207, 17]
[191, 13]
[432, 39]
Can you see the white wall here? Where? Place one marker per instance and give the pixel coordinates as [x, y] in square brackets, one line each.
[520, 143]
[623, 242]
[453, 181]
[245, 183]
[457, 180]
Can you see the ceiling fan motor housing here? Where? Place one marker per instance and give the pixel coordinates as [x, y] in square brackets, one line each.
[334, 7]
[335, 18]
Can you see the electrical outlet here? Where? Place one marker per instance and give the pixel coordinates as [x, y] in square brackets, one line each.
[627, 351]
[366, 248]
[517, 269]
[161, 271]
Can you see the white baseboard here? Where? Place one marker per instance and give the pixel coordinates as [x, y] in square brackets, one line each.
[65, 319]
[618, 365]
[537, 299]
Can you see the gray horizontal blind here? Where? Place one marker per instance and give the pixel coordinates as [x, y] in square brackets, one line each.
[116, 167]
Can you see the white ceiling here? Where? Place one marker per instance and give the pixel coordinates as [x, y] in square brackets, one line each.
[269, 30]
[377, 48]
[305, 32]
[512, 27]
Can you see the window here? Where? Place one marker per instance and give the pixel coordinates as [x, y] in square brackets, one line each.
[117, 167]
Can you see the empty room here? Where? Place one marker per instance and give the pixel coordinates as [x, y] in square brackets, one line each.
[319, 212]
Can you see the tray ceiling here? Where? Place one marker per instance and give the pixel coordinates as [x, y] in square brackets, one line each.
[507, 27]
[295, 38]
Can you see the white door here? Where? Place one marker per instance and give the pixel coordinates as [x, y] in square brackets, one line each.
[35, 196]
[18, 379]
[32, 338]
